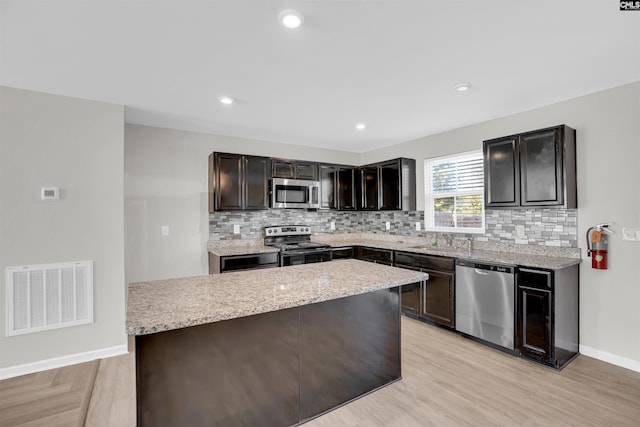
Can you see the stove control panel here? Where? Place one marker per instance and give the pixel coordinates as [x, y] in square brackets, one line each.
[287, 230]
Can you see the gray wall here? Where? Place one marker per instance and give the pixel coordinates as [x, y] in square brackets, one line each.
[48, 140]
[166, 175]
[608, 150]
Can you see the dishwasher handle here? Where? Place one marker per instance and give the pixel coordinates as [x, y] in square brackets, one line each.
[481, 272]
[484, 268]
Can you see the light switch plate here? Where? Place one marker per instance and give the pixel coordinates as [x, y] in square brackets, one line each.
[332, 225]
[418, 225]
[236, 228]
[387, 225]
[631, 234]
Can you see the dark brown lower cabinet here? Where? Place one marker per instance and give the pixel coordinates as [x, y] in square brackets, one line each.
[438, 298]
[410, 298]
[376, 255]
[547, 315]
[434, 299]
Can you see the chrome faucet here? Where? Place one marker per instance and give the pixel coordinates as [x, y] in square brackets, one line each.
[448, 238]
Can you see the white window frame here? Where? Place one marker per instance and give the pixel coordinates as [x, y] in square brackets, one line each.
[429, 195]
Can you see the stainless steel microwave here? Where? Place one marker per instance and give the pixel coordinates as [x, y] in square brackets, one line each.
[295, 193]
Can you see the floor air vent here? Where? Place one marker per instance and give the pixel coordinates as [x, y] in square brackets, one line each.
[42, 297]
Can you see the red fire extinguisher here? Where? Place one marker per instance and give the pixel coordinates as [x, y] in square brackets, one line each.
[597, 245]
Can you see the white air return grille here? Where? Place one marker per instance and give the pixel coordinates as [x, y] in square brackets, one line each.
[41, 297]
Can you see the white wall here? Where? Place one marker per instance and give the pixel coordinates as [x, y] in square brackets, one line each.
[166, 176]
[608, 154]
[49, 140]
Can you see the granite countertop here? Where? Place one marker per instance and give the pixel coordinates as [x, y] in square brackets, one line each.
[164, 305]
[510, 258]
[519, 255]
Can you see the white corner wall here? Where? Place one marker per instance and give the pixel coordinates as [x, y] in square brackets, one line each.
[77, 145]
[608, 154]
[166, 176]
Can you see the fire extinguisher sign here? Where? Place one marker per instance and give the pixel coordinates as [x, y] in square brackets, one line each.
[627, 5]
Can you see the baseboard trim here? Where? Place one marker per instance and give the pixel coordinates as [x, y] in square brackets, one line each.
[614, 359]
[58, 362]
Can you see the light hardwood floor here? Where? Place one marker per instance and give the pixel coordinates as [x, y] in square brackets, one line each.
[447, 381]
[54, 398]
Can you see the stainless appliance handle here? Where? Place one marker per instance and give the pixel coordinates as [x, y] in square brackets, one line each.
[481, 272]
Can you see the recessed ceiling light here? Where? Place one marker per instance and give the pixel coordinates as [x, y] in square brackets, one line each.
[361, 126]
[226, 100]
[291, 18]
[463, 87]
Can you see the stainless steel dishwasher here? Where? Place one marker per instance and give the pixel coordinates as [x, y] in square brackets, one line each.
[485, 301]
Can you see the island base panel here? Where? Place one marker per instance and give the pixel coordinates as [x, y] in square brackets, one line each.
[278, 369]
[348, 347]
[234, 373]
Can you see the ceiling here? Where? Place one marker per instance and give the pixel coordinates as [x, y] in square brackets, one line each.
[391, 64]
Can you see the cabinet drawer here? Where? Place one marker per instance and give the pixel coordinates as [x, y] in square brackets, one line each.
[381, 256]
[342, 253]
[428, 262]
[248, 262]
[538, 279]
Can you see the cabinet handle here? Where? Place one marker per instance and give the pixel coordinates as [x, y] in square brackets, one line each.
[424, 296]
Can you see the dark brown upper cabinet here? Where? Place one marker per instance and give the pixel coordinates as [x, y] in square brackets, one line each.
[388, 185]
[531, 169]
[238, 182]
[337, 187]
[294, 169]
[368, 187]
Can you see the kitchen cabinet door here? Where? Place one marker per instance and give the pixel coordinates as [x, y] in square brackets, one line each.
[390, 185]
[346, 188]
[369, 187]
[238, 182]
[438, 298]
[282, 169]
[534, 322]
[380, 256]
[256, 182]
[229, 181]
[541, 179]
[410, 298]
[328, 177]
[502, 172]
[294, 169]
[306, 170]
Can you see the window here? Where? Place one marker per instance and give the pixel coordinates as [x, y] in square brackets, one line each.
[454, 192]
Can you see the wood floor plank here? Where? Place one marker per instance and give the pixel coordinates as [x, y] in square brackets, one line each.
[447, 381]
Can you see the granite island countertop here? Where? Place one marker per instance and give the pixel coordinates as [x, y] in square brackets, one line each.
[163, 305]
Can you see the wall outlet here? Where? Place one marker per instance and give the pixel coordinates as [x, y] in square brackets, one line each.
[165, 230]
[332, 225]
[387, 225]
[631, 234]
[418, 225]
[520, 231]
[236, 228]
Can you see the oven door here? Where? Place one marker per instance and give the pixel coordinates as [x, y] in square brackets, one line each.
[304, 257]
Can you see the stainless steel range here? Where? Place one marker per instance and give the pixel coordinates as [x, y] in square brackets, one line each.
[296, 247]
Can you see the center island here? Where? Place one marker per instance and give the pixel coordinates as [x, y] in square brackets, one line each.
[273, 347]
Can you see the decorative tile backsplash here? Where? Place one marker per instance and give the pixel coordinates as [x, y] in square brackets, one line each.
[548, 227]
